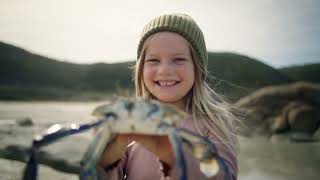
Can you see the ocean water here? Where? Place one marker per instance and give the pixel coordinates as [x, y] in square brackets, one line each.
[259, 158]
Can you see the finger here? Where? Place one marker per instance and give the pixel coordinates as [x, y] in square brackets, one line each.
[166, 178]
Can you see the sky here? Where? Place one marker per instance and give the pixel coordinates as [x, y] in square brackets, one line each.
[277, 32]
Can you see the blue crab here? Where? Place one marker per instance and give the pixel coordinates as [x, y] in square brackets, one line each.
[151, 118]
[133, 116]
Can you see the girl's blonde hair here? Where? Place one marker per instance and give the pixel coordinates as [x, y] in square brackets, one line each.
[204, 104]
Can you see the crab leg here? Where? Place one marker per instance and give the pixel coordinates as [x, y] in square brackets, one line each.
[53, 134]
[91, 157]
[176, 143]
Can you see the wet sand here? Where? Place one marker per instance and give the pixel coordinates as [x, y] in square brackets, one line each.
[262, 159]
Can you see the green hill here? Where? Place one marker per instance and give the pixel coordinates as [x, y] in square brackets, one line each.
[308, 72]
[24, 75]
[236, 75]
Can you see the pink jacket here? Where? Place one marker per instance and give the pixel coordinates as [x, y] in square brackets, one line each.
[140, 164]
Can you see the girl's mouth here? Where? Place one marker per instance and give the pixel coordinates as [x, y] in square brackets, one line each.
[167, 83]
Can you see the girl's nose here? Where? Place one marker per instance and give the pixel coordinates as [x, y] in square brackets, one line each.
[166, 68]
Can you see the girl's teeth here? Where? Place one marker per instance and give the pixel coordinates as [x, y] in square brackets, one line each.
[166, 83]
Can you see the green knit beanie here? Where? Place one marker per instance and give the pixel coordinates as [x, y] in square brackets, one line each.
[185, 26]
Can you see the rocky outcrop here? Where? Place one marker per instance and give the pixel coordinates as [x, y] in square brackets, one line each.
[292, 109]
[25, 121]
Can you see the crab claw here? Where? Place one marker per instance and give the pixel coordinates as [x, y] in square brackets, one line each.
[202, 149]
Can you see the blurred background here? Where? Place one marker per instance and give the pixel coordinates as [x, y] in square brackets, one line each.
[60, 59]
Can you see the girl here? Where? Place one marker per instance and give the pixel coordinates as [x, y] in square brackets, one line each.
[171, 68]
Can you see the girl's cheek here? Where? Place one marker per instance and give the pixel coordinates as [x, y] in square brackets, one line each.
[148, 70]
[147, 75]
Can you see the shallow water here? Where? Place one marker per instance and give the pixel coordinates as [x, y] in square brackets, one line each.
[48, 112]
[259, 158]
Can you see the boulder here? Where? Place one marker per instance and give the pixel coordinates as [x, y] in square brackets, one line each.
[280, 109]
[26, 121]
[277, 96]
[279, 124]
[304, 118]
[301, 137]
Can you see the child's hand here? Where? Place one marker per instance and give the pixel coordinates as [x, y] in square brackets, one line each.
[159, 145]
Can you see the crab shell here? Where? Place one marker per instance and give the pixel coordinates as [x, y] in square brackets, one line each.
[139, 116]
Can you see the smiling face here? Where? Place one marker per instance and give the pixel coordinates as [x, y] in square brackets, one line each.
[168, 69]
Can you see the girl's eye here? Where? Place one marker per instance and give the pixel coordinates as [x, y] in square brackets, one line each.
[152, 61]
[180, 60]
